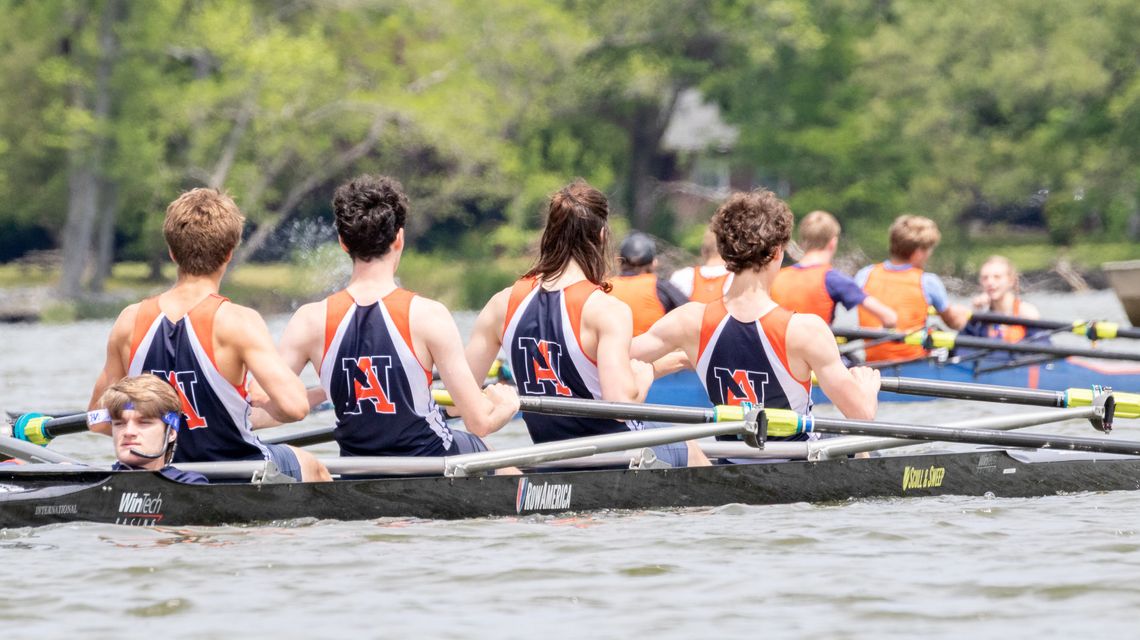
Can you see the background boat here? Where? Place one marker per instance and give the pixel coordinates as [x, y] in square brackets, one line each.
[1124, 278]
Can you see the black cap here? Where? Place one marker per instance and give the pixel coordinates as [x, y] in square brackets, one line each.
[637, 249]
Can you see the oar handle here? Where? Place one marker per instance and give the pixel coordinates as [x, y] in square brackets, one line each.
[40, 429]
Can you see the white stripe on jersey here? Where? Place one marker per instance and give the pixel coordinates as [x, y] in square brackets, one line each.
[587, 371]
[328, 361]
[235, 403]
[513, 322]
[135, 367]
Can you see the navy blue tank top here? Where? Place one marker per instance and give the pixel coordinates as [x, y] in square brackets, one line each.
[215, 411]
[379, 390]
[541, 334]
[743, 363]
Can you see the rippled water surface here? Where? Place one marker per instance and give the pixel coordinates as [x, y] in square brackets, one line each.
[1059, 566]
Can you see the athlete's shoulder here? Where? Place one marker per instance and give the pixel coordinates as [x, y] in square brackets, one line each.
[805, 329]
[428, 310]
[236, 322]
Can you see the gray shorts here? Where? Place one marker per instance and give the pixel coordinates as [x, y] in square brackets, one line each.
[676, 454]
[286, 461]
[464, 442]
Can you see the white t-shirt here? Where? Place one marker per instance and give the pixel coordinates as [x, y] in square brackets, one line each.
[683, 278]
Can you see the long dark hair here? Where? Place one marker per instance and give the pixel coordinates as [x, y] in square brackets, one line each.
[575, 228]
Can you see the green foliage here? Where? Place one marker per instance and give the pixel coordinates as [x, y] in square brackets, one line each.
[861, 107]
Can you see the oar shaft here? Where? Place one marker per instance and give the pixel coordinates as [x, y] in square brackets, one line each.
[969, 391]
[1093, 330]
[973, 436]
[949, 340]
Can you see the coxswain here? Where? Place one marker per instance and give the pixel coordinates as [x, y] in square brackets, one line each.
[707, 281]
[747, 349]
[564, 336]
[1001, 293]
[637, 284]
[207, 347]
[812, 285]
[145, 414]
[902, 284]
[374, 344]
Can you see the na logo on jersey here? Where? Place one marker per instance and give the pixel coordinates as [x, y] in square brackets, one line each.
[185, 383]
[368, 379]
[740, 386]
[542, 358]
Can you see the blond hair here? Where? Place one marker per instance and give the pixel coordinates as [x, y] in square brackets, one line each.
[202, 228]
[910, 233]
[148, 394]
[1009, 268]
[817, 229]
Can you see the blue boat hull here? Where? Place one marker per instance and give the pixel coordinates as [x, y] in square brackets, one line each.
[684, 388]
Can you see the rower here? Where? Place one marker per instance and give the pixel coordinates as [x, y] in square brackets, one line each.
[564, 336]
[707, 281]
[374, 344]
[145, 414]
[748, 350]
[1001, 293]
[903, 285]
[813, 286]
[648, 296]
[210, 348]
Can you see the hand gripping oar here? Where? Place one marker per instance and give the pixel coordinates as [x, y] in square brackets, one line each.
[1094, 330]
[40, 429]
[1126, 405]
[950, 340]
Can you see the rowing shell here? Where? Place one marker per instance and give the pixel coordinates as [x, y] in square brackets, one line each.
[34, 495]
[684, 388]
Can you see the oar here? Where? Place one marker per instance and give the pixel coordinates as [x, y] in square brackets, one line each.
[784, 423]
[40, 429]
[559, 406]
[1094, 330]
[950, 340]
[1127, 405]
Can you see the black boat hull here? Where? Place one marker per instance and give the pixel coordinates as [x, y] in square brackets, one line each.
[137, 498]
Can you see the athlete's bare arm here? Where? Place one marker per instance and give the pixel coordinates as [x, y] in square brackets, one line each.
[241, 333]
[301, 344]
[955, 316]
[486, 336]
[115, 366]
[483, 412]
[608, 323]
[811, 347]
[885, 314]
[1028, 311]
[678, 329]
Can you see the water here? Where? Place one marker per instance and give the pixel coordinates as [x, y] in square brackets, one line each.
[1058, 566]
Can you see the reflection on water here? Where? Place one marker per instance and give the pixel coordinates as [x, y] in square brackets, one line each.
[937, 567]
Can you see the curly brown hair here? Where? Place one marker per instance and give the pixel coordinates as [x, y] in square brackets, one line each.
[751, 228]
[369, 212]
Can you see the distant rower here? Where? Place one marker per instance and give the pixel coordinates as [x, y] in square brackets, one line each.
[638, 286]
[707, 281]
[1001, 293]
[813, 286]
[563, 335]
[374, 344]
[901, 284]
[206, 346]
[748, 349]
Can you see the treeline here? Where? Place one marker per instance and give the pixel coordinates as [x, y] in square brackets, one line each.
[863, 107]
